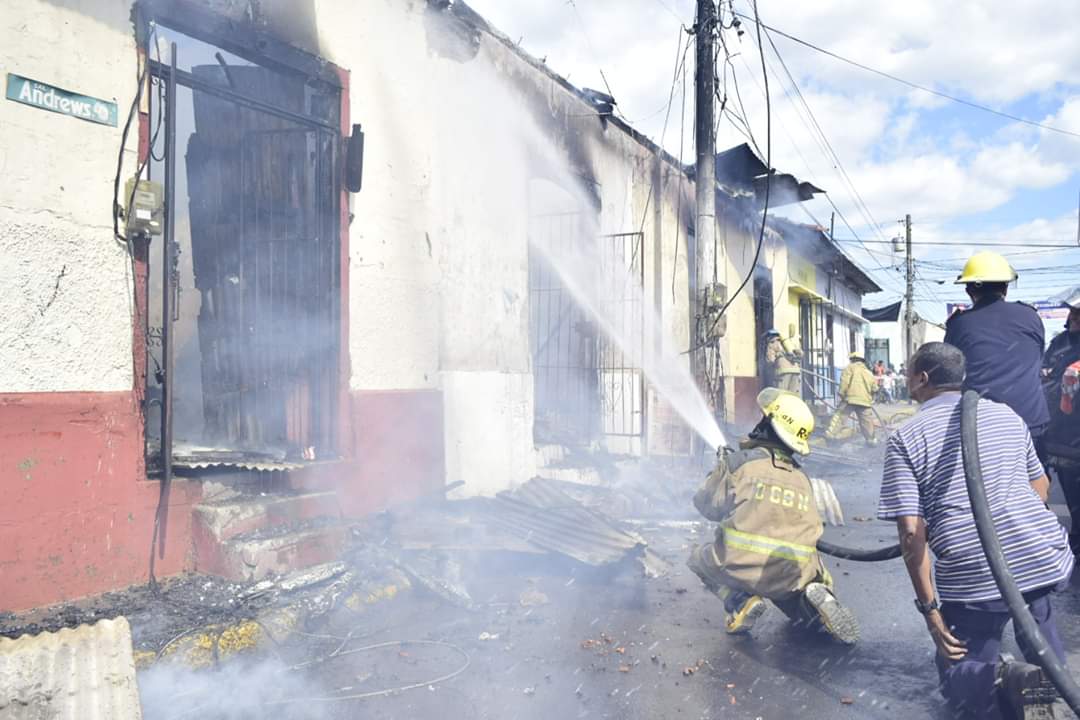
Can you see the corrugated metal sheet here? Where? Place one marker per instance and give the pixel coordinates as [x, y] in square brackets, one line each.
[545, 516]
[193, 464]
[81, 673]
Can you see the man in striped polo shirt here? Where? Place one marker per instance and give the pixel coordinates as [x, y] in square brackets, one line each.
[924, 491]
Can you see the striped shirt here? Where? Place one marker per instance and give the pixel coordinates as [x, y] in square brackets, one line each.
[924, 477]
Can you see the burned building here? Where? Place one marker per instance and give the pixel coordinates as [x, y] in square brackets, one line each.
[344, 296]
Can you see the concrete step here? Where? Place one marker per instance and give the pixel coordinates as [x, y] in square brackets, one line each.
[249, 513]
[276, 550]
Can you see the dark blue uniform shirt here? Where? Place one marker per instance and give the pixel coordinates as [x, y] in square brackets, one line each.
[1003, 344]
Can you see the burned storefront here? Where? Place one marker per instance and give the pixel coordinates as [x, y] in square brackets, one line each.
[247, 300]
[263, 351]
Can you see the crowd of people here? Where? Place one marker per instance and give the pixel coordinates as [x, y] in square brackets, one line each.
[1028, 420]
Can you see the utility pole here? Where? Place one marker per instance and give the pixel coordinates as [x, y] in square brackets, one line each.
[705, 187]
[704, 91]
[704, 122]
[909, 296]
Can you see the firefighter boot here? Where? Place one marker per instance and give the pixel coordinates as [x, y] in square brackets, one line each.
[837, 620]
[1023, 691]
[741, 612]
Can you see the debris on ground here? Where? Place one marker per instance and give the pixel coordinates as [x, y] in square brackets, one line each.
[438, 573]
[691, 669]
[90, 668]
[542, 514]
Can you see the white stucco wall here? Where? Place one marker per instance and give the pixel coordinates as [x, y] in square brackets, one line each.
[438, 266]
[66, 292]
[439, 252]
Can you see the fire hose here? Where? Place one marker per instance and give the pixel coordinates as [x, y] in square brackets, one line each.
[1027, 629]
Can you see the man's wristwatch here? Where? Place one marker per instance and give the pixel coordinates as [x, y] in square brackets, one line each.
[927, 608]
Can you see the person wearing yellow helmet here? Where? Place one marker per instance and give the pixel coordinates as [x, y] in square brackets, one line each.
[1002, 342]
[769, 525]
[857, 389]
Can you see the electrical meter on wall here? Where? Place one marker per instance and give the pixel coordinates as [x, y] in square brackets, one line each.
[146, 212]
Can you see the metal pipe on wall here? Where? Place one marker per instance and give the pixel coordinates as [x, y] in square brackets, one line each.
[168, 261]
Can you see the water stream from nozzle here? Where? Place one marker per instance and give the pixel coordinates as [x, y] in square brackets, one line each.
[593, 283]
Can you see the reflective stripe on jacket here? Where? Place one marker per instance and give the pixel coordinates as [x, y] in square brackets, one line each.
[769, 522]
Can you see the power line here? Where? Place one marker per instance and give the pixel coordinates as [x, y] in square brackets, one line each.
[860, 203]
[671, 11]
[962, 243]
[832, 157]
[913, 85]
[825, 149]
[592, 49]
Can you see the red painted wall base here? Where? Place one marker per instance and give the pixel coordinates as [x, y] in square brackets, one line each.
[75, 518]
[395, 452]
[76, 514]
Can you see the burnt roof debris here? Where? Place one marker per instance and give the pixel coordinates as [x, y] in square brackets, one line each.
[604, 103]
[738, 166]
[740, 169]
[813, 243]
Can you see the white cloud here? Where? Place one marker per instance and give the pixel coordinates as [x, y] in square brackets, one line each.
[994, 52]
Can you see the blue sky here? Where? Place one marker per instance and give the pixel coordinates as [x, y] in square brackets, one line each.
[965, 175]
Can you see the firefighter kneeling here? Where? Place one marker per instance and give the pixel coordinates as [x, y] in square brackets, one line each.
[769, 526]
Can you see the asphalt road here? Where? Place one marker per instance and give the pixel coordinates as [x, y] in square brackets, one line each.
[553, 640]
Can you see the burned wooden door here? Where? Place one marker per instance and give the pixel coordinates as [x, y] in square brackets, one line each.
[265, 255]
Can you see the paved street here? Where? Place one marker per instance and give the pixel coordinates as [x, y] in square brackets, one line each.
[553, 640]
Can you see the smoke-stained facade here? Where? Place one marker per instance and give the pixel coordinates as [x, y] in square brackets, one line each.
[378, 344]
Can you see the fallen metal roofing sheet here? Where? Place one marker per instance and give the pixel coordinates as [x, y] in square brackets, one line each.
[81, 673]
[544, 515]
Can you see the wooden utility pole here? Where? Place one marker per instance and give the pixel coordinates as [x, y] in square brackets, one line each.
[909, 296]
[705, 181]
[704, 91]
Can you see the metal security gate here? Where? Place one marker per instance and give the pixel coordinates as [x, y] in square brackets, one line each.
[815, 327]
[252, 303]
[622, 383]
[585, 386]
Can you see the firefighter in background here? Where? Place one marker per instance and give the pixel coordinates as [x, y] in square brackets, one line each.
[769, 527]
[785, 359]
[1002, 342]
[1061, 383]
[857, 388]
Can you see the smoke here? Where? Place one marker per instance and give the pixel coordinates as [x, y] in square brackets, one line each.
[240, 689]
[502, 134]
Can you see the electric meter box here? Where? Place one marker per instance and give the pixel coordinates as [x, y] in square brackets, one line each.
[146, 213]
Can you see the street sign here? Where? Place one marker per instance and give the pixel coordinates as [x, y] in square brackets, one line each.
[47, 97]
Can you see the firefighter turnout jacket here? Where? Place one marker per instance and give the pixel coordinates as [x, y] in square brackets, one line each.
[784, 362]
[769, 522]
[857, 385]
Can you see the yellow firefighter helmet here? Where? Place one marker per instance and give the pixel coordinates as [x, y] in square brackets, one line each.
[986, 267]
[789, 417]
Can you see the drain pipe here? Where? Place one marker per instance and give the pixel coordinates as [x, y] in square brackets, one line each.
[1026, 627]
